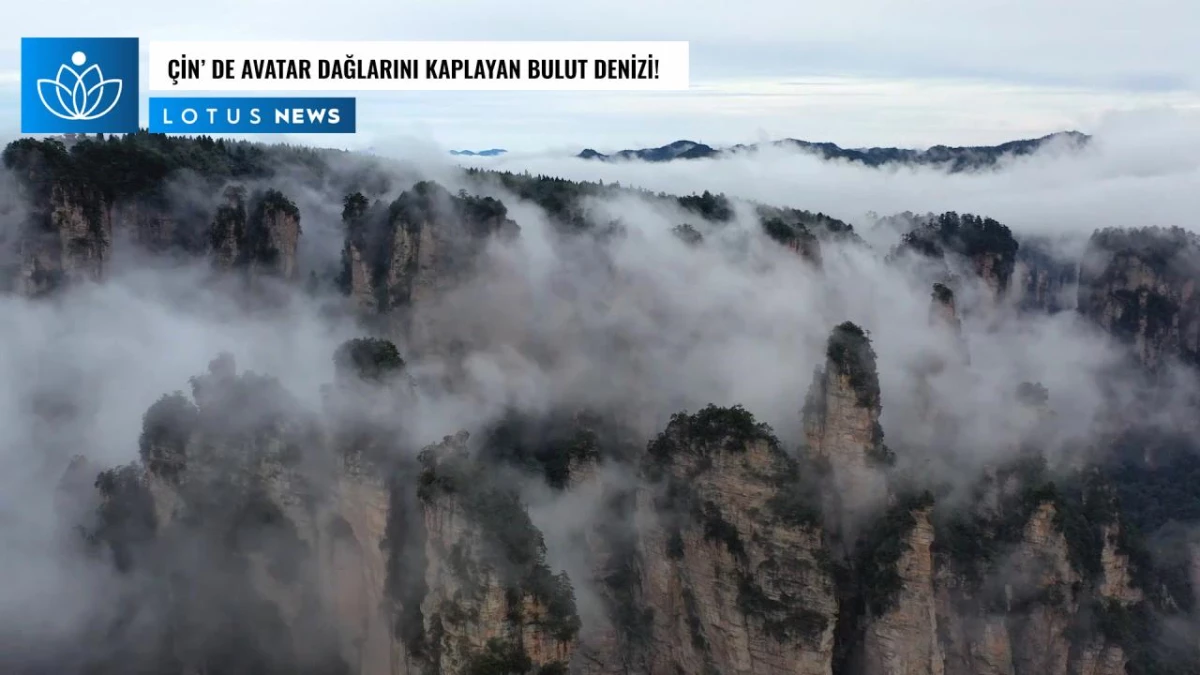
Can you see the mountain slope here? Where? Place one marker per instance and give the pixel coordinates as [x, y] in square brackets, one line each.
[950, 157]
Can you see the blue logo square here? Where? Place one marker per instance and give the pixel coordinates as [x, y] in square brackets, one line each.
[79, 85]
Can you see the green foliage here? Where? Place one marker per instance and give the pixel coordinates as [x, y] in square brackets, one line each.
[500, 658]
[354, 206]
[196, 572]
[968, 235]
[790, 226]
[793, 236]
[796, 504]
[1084, 504]
[879, 550]
[717, 529]
[798, 487]
[512, 545]
[126, 519]
[546, 445]
[138, 165]
[369, 359]
[711, 207]
[1159, 501]
[1172, 255]
[563, 200]
[1151, 645]
[688, 234]
[783, 618]
[849, 350]
[166, 428]
[973, 540]
[878, 453]
[942, 294]
[230, 219]
[428, 201]
[1168, 251]
[461, 220]
[1143, 311]
[708, 430]
[258, 247]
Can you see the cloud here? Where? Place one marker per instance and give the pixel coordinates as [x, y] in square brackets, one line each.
[1136, 172]
[638, 325]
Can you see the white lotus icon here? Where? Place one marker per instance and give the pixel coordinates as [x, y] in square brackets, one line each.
[79, 96]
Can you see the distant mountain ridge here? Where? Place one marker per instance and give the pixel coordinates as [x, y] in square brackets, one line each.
[958, 158]
[491, 152]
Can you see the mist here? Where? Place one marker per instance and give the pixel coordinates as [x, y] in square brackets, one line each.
[1137, 171]
[638, 325]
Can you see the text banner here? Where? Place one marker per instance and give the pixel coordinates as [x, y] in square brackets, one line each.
[418, 66]
[251, 115]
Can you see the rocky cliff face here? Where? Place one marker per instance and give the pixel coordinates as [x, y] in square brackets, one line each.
[67, 239]
[354, 571]
[73, 212]
[1043, 595]
[1040, 582]
[362, 565]
[841, 426]
[490, 597]
[1140, 285]
[735, 570]
[905, 639]
[1043, 281]
[424, 242]
[258, 234]
[970, 245]
[942, 309]
[974, 641]
[721, 561]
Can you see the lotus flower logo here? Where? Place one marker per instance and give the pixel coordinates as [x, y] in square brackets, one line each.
[79, 96]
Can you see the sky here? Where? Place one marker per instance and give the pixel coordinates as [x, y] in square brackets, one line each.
[857, 72]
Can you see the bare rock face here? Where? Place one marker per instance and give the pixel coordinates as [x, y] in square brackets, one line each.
[942, 311]
[841, 424]
[1042, 280]
[948, 352]
[66, 241]
[62, 231]
[803, 231]
[425, 242]
[490, 598]
[808, 248]
[1140, 285]
[1116, 581]
[1115, 591]
[1042, 567]
[979, 246]
[973, 643]
[736, 574]
[354, 567]
[943, 315]
[350, 551]
[905, 640]
[259, 234]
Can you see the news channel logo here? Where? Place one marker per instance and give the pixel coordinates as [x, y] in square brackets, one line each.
[79, 85]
